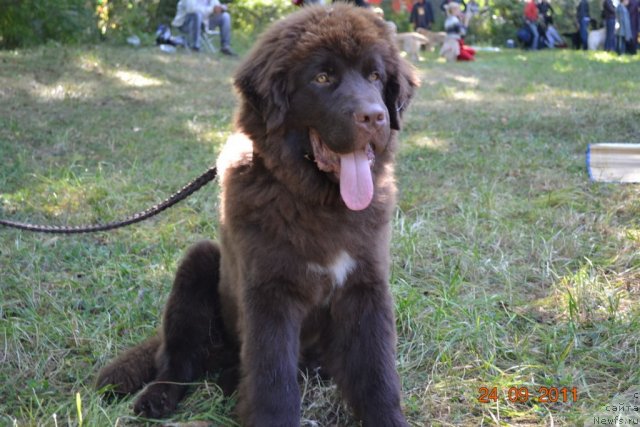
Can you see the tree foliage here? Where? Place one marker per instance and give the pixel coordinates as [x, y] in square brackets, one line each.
[29, 22]
[251, 16]
[118, 19]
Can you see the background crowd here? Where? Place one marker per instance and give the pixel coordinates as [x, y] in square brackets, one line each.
[616, 30]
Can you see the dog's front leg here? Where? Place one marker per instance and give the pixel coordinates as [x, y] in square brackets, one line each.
[269, 394]
[362, 353]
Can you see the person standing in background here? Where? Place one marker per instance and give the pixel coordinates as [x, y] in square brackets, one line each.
[634, 17]
[531, 19]
[422, 15]
[623, 29]
[609, 18]
[583, 17]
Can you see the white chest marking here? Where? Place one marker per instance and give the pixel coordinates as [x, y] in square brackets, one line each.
[339, 269]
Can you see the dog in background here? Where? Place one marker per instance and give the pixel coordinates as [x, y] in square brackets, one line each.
[596, 39]
[435, 39]
[411, 43]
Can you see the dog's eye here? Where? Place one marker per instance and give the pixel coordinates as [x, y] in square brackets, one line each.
[321, 78]
[374, 76]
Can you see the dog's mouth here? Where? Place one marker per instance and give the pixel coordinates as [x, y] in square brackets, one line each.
[352, 170]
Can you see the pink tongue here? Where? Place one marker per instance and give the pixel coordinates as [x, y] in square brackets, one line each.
[356, 184]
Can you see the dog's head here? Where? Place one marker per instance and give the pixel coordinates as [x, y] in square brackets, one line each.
[333, 78]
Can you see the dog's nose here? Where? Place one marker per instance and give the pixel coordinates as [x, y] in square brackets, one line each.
[371, 117]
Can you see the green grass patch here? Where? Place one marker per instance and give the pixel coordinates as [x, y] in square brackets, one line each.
[511, 269]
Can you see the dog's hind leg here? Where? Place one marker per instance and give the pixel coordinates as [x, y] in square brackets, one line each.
[193, 337]
[130, 371]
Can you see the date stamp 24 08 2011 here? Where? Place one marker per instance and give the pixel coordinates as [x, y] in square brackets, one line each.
[623, 409]
[523, 394]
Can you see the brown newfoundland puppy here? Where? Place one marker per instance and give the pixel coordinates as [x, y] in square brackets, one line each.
[301, 275]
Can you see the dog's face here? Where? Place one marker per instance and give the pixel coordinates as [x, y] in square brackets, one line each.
[332, 81]
[348, 95]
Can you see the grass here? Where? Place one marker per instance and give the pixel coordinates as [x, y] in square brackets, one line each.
[511, 269]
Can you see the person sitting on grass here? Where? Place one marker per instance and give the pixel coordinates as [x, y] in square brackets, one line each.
[190, 16]
[552, 37]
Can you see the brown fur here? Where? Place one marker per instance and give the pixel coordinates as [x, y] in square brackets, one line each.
[299, 277]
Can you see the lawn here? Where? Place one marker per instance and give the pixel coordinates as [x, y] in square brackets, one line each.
[513, 274]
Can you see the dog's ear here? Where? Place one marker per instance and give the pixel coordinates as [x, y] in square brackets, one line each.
[401, 84]
[263, 87]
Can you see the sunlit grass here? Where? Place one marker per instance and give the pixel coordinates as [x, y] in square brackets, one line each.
[135, 79]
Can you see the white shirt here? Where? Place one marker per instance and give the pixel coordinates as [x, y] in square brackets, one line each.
[202, 7]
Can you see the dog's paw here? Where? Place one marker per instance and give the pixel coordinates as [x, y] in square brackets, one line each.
[156, 401]
[114, 382]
